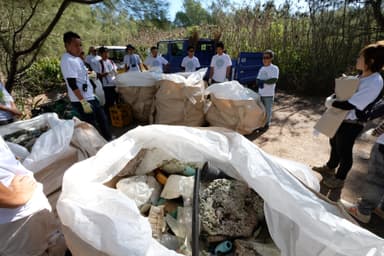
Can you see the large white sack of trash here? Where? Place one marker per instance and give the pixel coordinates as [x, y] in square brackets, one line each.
[109, 223]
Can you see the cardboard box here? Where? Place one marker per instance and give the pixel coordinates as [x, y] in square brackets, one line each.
[331, 120]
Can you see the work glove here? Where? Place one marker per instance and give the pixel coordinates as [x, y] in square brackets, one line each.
[92, 74]
[329, 101]
[368, 136]
[87, 108]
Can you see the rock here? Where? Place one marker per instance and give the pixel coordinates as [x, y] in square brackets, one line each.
[252, 248]
[229, 208]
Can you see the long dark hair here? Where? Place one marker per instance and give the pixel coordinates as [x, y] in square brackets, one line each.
[374, 56]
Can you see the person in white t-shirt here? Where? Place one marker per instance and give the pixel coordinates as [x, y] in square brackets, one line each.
[220, 68]
[373, 185]
[79, 87]
[8, 109]
[370, 62]
[92, 58]
[155, 62]
[190, 62]
[27, 225]
[266, 81]
[132, 61]
[106, 72]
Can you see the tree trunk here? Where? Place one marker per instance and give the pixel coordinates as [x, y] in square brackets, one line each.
[16, 55]
[11, 73]
[379, 16]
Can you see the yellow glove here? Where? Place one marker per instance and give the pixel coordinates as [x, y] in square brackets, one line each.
[87, 108]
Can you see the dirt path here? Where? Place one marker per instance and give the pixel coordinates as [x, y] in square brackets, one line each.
[291, 136]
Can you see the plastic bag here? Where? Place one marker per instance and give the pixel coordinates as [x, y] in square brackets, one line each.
[300, 223]
[99, 92]
[49, 146]
[18, 151]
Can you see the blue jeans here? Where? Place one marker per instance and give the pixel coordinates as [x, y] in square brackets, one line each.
[97, 118]
[268, 103]
[373, 187]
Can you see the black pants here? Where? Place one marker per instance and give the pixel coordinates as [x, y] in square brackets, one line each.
[110, 98]
[341, 148]
[97, 118]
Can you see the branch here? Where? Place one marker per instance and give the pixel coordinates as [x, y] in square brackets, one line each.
[49, 29]
[28, 19]
[30, 62]
[53, 23]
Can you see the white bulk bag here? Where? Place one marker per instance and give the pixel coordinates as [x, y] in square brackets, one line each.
[180, 100]
[50, 145]
[138, 89]
[301, 224]
[235, 107]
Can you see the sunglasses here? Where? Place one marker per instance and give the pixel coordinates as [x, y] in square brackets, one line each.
[266, 57]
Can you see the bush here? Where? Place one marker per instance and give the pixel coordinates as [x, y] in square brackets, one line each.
[43, 76]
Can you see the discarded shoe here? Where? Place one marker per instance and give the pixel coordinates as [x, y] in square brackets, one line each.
[333, 182]
[324, 169]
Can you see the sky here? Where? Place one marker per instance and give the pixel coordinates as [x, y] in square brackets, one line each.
[177, 5]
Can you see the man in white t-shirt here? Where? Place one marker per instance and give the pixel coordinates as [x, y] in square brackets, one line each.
[190, 62]
[27, 225]
[132, 61]
[79, 87]
[106, 72]
[8, 109]
[221, 63]
[266, 81]
[154, 62]
[92, 58]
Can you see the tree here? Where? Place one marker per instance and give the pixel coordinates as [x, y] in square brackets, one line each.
[377, 12]
[26, 24]
[20, 40]
[194, 14]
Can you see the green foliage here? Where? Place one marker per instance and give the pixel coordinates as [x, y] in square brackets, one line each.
[194, 14]
[314, 41]
[44, 75]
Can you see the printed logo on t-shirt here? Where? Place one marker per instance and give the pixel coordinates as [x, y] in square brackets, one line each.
[189, 65]
[219, 63]
[156, 63]
[263, 75]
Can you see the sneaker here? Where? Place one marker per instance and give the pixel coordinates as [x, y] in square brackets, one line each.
[354, 212]
[379, 212]
[323, 169]
[333, 182]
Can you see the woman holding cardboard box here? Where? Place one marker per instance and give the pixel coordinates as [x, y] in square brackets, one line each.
[369, 62]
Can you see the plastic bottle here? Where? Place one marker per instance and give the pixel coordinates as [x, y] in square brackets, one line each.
[170, 241]
[223, 247]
